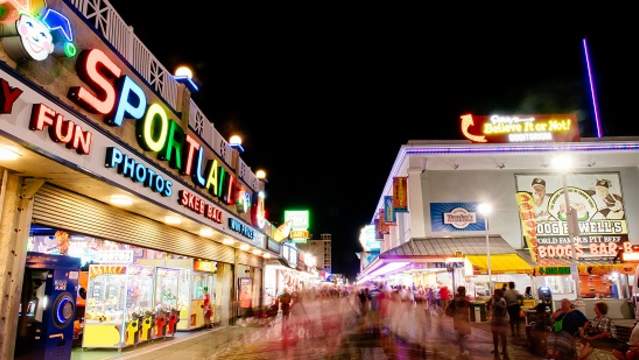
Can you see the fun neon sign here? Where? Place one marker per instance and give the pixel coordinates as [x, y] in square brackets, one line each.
[117, 97]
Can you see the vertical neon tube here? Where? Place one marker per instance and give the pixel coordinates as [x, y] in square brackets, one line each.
[593, 95]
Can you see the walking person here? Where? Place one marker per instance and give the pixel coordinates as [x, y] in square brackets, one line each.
[499, 323]
[207, 308]
[513, 299]
[444, 296]
[285, 304]
[459, 310]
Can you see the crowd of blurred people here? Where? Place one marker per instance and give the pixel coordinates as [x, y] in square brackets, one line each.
[412, 313]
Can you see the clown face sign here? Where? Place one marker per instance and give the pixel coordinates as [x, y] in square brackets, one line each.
[35, 37]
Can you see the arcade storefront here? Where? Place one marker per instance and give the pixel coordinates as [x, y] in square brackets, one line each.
[128, 292]
[124, 215]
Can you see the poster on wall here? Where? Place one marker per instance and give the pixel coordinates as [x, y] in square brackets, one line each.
[400, 197]
[389, 212]
[246, 292]
[456, 216]
[598, 202]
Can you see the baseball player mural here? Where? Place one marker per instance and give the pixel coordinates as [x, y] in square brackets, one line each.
[597, 201]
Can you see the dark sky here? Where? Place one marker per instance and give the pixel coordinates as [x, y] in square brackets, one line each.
[325, 98]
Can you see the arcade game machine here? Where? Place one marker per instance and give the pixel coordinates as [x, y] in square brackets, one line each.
[47, 307]
[167, 313]
[119, 301]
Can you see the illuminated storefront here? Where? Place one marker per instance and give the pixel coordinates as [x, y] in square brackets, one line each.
[435, 187]
[295, 271]
[105, 158]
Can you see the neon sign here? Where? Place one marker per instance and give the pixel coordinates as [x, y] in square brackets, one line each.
[240, 228]
[200, 206]
[520, 128]
[137, 172]
[8, 96]
[111, 93]
[60, 130]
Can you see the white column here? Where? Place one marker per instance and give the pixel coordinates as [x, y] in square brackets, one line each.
[416, 207]
[16, 196]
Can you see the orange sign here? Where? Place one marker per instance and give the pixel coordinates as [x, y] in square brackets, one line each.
[400, 197]
[203, 265]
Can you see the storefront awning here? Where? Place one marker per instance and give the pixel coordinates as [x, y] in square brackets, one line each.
[447, 247]
[501, 264]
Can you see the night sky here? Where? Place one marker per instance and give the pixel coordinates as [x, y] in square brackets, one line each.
[325, 99]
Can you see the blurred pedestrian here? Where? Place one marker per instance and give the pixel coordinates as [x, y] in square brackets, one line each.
[444, 296]
[513, 299]
[364, 298]
[459, 310]
[499, 323]
[285, 300]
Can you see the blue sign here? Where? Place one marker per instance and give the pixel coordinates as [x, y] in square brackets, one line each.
[389, 211]
[137, 172]
[241, 228]
[454, 217]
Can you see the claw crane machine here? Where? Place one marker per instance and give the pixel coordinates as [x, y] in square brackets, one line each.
[194, 280]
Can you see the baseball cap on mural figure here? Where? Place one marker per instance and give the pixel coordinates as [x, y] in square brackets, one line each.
[538, 181]
[603, 182]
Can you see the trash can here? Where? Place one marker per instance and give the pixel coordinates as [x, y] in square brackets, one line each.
[478, 312]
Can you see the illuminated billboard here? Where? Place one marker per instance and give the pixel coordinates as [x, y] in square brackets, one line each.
[520, 128]
[368, 240]
[299, 221]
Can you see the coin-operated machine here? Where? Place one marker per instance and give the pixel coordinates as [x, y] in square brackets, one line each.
[47, 307]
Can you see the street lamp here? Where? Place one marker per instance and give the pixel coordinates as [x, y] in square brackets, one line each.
[485, 209]
[563, 163]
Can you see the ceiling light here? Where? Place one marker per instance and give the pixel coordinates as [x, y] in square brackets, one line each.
[9, 153]
[228, 241]
[172, 220]
[206, 232]
[121, 200]
[244, 247]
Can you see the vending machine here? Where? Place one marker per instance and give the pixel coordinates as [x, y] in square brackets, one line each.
[47, 307]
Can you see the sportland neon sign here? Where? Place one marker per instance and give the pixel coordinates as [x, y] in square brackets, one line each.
[111, 93]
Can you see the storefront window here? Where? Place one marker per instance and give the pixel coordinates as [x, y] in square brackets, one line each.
[183, 298]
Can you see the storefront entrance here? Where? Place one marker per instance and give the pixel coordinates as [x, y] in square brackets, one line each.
[129, 295]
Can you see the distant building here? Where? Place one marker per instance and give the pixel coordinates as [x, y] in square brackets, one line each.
[321, 249]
